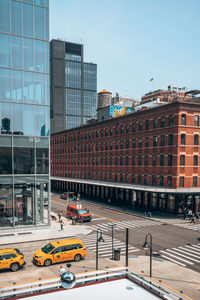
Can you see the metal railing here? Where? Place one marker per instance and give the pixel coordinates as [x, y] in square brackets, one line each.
[154, 286]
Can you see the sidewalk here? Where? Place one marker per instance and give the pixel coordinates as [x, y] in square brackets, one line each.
[53, 232]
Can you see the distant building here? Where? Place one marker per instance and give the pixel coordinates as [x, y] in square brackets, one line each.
[170, 95]
[109, 107]
[147, 159]
[73, 86]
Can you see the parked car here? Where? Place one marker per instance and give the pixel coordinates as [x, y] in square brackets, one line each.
[60, 251]
[11, 259]
[68, 196]
[79, 212]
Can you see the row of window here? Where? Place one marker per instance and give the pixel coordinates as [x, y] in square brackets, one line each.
[140, 126]
[125, 144]
[126, 161]
[139, 179]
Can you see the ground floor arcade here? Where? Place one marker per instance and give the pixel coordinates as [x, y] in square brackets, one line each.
[165, 200]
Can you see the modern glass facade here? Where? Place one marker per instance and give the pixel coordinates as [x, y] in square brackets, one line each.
[81, 87]
[24, 113]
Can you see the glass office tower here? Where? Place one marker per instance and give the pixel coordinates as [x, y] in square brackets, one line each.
[73, 86]
[24, 113]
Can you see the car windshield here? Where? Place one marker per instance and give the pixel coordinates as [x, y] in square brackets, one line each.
[17, 250]
[48, 248]
[82, 211]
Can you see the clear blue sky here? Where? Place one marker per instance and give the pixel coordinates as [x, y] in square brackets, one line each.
[134, 40]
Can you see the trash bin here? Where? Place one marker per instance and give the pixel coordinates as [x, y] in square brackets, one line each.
[117, 253]
[73, 221]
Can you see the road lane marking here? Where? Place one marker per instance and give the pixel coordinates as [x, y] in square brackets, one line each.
[175, 252]
[173, 260]
[188, 262]
[186, 252]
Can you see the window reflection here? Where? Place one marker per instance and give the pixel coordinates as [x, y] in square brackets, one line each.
[16, 20]
[27, 20]
[5, 111]
[5, 50]
[5, 84]
[40, 121]
[39, 22]
[16, 47]
[23, 201]
[39, 56]
[42, 200]
[18, 119]
[4, 16]
[23, 160]
[6, 207]
[39, 88]
[28, 119]
[28, 54]
[17, 82]
[28, 87]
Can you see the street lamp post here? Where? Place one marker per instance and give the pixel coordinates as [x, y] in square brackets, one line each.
[99, 239]
[112, 226]
[149, 245]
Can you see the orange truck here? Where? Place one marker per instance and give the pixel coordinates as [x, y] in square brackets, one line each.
[79, 212]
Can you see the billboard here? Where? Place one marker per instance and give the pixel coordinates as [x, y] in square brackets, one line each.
[117, 111]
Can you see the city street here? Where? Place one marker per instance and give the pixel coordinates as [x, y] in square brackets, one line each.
[178, 243]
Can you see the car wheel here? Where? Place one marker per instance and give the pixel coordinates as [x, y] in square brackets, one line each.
[77, 257]
[14, 267]
[47, 262]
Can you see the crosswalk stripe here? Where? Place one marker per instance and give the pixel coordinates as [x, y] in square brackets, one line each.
[188, 262]
[97, 219]
[123, 252]
[177, 249]
[189, 250]
[183, 255]
[196, 246]
[190, 247]
[174, 261]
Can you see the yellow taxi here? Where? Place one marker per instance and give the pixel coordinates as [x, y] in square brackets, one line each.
[11, 259]
[59, 251]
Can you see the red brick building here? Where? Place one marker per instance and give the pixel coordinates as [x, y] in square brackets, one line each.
[148, 159]
[170, 95]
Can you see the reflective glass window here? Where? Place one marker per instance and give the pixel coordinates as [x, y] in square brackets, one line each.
[6, 205]
[47, 57]
[39, 2]
[18, 119]
[5, 50]
[73, 102]
[28, 54]
[39, 22]
[47, 111]
[39, 56]
[16, 47]
[24, 190]
[17, 82]
[40, 121]
[90, 103]
[27, 20]
[28, 86]
[5, 84]
[28, 119]
[47, 97]
[39, 88]
[46, 22]
[23, 155]
[16, 19]
[42, 200]
[5, 115]
[4, 16]
[5, 155]
[42, 160]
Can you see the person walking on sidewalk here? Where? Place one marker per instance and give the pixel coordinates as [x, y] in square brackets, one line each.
[61, 225]
[184, 213]
[59, 216]
[190, 214]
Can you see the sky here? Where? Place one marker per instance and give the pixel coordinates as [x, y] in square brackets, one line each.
[132, 41]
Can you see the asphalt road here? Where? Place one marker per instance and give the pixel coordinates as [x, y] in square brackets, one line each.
[171, 242]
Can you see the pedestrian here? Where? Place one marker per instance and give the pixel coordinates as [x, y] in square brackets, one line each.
[61, 225]
[62, 270]
[190, 214]
[192, 219]
[109, 201]
[59, 216]
[184, 213]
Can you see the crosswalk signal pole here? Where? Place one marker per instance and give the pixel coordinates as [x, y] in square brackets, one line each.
[112, 226]
[126, 247]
